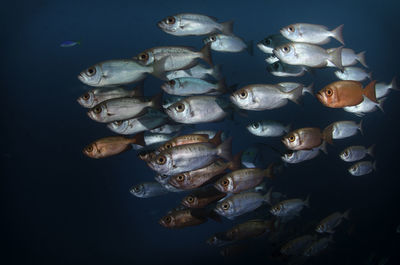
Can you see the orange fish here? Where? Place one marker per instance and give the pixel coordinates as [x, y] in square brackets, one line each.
[110, 146]
[342, 94]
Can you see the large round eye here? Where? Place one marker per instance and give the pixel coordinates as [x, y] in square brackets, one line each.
[180, 107]
[170, 20]
[329, 92]
[97, 110]
[91, 71]
[290, 155]
[167, 219]
[180, 178]
[86, 96]
[225, 182]
[292, 138]
[291, 28]
[225, 206]
[190, 199]
[278, 207]
[136, 188]
[89, 148]
[213, 38]
[161, 160]
[267, 41]
[255, 125]
[243, 94]
[143, 56]
[171, 82]
[168, 146]
[286, 49]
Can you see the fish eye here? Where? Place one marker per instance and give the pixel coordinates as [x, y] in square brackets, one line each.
[225, 206]
[91, 71]
[329, 92]
[225, 182]
[190, 199]
[170, 20]
[143, 56]
[290, 155]
[97, 110]
[161, 160]
[168, 146]
[118, 123]
[136, 188]
[278, 207]
[180, 107]
[275, 66]
[255, 125]
[292, 138]
[180, 178]
[243, 94]
[86, 96]
[213, 38]
[171, 82]
[267, 41]
[286, 49]
[89, 148]
[291, 28]
[167, 219]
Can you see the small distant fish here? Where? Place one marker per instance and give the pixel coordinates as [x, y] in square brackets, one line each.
[356, 152]
[303, 139]
[318, 246]
[268, 128]
[186, 217]
[303, 155]
[268, 44]
[328, 224]
[197, 71]
[69, 43]
[382, 89]
[366, 106]
[353, 73]
[250, 229]
[298, 245]
[349, 57]
[289, 207]
[341, 129]
[281, 69]
[362, 168]
[202, 198]
[311, 33]
[186, 86]
[227, 43]
[271, 59]
[187, 24]
[148, 190]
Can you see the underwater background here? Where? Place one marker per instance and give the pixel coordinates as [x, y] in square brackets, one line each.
[61, 207]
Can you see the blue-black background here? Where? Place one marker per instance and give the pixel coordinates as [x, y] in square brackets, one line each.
[60, 207]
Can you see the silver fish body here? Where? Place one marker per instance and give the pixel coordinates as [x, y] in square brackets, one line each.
[168, 128]
[349, 57]
[281, 69]
[267, 128]
[328, 224]
[197, 71]
[382, 89]
[353, 73]
[157, 138]
[311, 33]
[268, 44]
[356, 152]
[289, 207]
[303, 155]
[186, 86]
[148, 189]
[362, 168]
[317, 246]
[98, 95]
[225, 43]
[344, 129]
[366, 106]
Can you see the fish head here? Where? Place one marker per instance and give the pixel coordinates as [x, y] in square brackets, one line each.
[98, 113]
[345, 155]
[92, 151]
[162, 179]
[291, 32]
[179, 111]
[92, 76]
[255, 128]
[161, 163]
[289, 157]
[225, 184]
[276, 67]
[87, 100]
[266, 45]
[119, 126]
[242, 97]
[146, 155]
[168, 221]
[225, 208]
[190, 201]
[321, 228]
[169, 24]
[180, 180]
[145, 58]
[328, 96]
[138, 190]
[167, 145]
[292, 140]
[277, 210]
[210, 39]
[354, 170]
[286, 52]
[172, 85]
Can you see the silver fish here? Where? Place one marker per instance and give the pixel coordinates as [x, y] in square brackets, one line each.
[303, 155]
[328, 224]
[353, 73]
[382, 89]
[296, 53]
[148, 189]
[163, 180]
[289, 86]
[186, 86]
[298, 245]
[311, 33]
[262, 97]
[285, 70]
[318, 246]
[198, 71]
[114, 73]
[152, 139]
[240, 204]
[268, 44]
[362, 168]
[289, 207]
[122, 108]
[342, 129]
[187, 24]
[211, 134]
[349, 57]
[198, 109]
[189, 157]
[168, 128]
[366, 106]
[98, 95]
[356, 152]
[226, 43]
[267, 128]
[170, 100]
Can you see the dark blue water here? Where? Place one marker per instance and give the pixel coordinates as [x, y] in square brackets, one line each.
[60, 207]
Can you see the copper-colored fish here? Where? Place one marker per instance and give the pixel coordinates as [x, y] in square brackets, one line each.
[342, 94]
[191, 139]
[250, 229]
[202, 198]
[186, 217]
[303, 139]
[196, 178]
[113, 145]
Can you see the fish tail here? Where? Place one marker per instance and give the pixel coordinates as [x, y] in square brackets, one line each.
[308, 89]
[225, 149]
[361, 58]
[236, 162]
[221, 86]
[138, 90]
[380, 105]
[216, 72]
[250, 47]
[335, 57]
[156, 101]
[370, 150]
[337, 34]
[138, 139]
[360, 127]
[78, 42]
[322, 147]
[369, 91]
[206, 54]
[227, 27]
[159, 69]
[307, 201]
[327, 134]
[216, 140]
[269, 171]
[346, 214]
[393, 84]
[268, 196]
[374, 165]
[295, 94]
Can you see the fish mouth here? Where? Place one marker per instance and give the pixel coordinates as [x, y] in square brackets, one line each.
[91, 115]
[81, 78]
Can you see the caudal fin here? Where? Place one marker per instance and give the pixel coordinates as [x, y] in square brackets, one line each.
[361, 59]
[337, 34]
[393, 84]
[138, 90]
[370, 150]
[221, 86]
[307, 201]
[327, 134]
[138, 139]
[380, 105]
[216, 72]
[216, 140]
[227, 28]
[206, 54]
[360, 127]
[269, 171]
[268, 196]
[335, 57]
[225, 149]
[369, 91]
[322, 147]
[295, 94]
[308, 89]
[236, 162]
[156, 101]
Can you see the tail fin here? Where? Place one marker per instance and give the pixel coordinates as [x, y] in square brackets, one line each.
[370, 150]
[307, 201]
[346, 214]
[327, 134]
[322, 147]
[216, 140]
[225, 149]
[221, 86]
[393, 84]
[269, 171]
[374, 165]
[216, 72]
[369, 91]
[138, 90]
[227, 28]
[337, 34]
[250, 48]
[308, 89]
[156, 101]
[361, 58]
[360, 127]
[138, 139]
[380, 105]
[206, 54]
[335, 57]
[236, 162]
[295, 94]
[268, 196]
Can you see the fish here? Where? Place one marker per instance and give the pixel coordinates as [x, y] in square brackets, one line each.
[243, 179]
[148, 190]
[349, 58]
[241, 203]
[356, 152]
[117, 109]
[317, 246]
[191, 139]
[304, 155]
[289, 86]
[114, 73]
[189, 157]
[186, 217]
[198, 109]
[353, 73]
[289, 207]
[196, 178]
[366, 106]
[304, 139]
[382, 89]
[341, 129]
[271, 59]
[170, 100]
[156, 139]
[218, 240]
[146, 155]
[227, 43]
[281, 69]
[168, 128]
[110, 146]
[298, 245]
[202, 198]
[296, 53]
[187, 24]
[328, 224]
[150, 120]
[187, 86]
[170, 58]
[250, 229]
[311, 33]
[362, 168]
[69, 43]
[163, 180]
[268, 44]
[264, 96]
[268, 128]
[341, 94]
[211, 134]
[197, 71]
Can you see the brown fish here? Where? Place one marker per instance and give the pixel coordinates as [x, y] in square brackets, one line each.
[192, 139]
[303, 139]
[196, 178]
[342, 94]
[243, 179]
[202, 198]
[187, 217]
[113, 145]
[250, 229]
